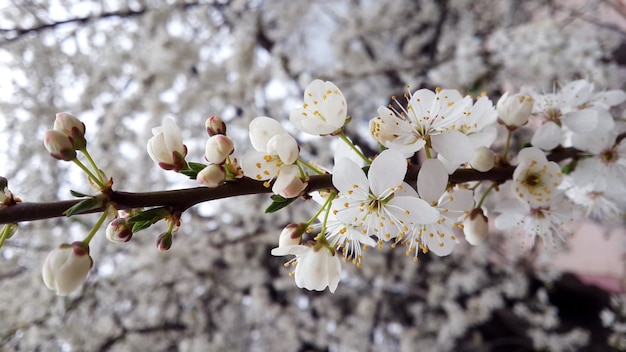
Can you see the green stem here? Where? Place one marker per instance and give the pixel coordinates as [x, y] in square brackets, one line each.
[95, 179]
[93, 165]
[507, 145]
[354, 148]
[95, 228]
[484, 196]
[326, 206]
[428, 155]
[310, 167]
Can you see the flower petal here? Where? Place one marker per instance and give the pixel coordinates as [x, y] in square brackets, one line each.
[387, 172]
[432, 180]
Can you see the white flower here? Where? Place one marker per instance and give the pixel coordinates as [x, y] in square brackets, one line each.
[438, 236]
[430, 118]
[371, 202]
[546, 222]
[317, 266]
[166, 146]
[276, 153]
[67, 267]
[211, 176]
[218, 148]
[71, 127]
[597, 202]
[59, 145]
[535, 179]
[577, 109]
[324, 111]
[514, 110]
[606, 169]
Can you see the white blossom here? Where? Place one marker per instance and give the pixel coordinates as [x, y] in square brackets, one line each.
[166, 146]
[66, 268]
[324, 111]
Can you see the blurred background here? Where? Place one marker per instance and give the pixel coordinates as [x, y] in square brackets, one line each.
[123, 66]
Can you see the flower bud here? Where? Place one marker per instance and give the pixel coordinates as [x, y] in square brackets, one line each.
[59, 145]
[119, 230]
[290, 236]
[218, 148]
[166, 146]
[483, 159]
[214, 126]
[514, 110]
[67, 267]
[476, 227]
[71, 127]
[164, 241]
[211, 176]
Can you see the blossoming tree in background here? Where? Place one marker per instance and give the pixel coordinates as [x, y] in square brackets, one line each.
[522, 142]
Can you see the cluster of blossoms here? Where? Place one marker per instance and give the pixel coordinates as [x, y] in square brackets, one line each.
[426, 190]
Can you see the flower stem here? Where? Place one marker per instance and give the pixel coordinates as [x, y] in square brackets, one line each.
[428, 155]
[95, 228]
[95, 179]
[484, 196]
[354, 148]
[310, 167]
[325, 206]
[507, 145]
[93, 164]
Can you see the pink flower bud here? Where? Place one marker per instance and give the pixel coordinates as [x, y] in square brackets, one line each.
[218, 148]
[59, 145]
[119, 230]
[214, 126]
[211, 176]
[164, 241]
[67, 267]
[71, 127]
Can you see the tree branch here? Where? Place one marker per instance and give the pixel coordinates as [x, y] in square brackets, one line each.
[183, 199]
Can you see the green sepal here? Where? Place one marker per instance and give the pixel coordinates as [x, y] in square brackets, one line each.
[147, 218]
[192, 170]
[84, 205]
[278, 202]
[78, 194]
[569, 167]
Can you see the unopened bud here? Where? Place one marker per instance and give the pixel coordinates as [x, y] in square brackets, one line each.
[164, 241]
[73, 128]
[59, 145]
[290, 236]
[514, 110]
[214, 126]
[211, 176]
[483, 159]
[218, 148]
[476, 227]
[119, 230]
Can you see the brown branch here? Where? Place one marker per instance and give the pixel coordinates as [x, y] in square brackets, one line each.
[183, 199]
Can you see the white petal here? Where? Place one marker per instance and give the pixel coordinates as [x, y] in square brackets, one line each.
[387, 171]
[256, 166]
[262, 128]
[413, 210]
[547, 136]
[285, 146]
[581, 121]
[460, 200]
[454, 146]
[512, 211]
[432, 180]
[350, 179]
